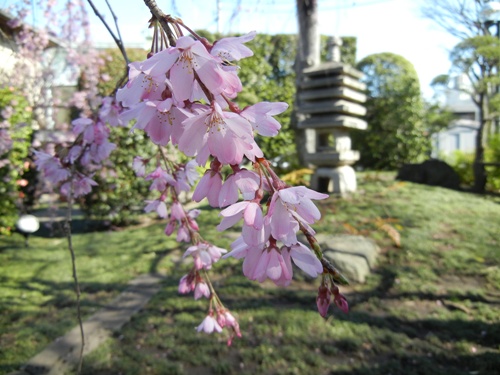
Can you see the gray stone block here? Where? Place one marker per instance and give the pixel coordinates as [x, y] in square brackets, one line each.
[332, 106]
[330, 69]
[354, 256]
[333, 121]
[333, 93]
[332, 81]
[332, 159]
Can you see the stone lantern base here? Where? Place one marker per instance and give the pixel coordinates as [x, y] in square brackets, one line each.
[339, 180]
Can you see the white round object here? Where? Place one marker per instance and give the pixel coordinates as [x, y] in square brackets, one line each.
[28, 224]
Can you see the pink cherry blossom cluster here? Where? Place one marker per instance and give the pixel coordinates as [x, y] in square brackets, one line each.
[168, 181]
[72, 167]
[184, 96]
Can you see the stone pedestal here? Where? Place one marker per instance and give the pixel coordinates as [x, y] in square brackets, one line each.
[341, 180]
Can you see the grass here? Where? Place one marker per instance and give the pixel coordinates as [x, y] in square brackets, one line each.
[430, 306]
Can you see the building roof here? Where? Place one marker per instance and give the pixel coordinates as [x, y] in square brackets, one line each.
[7, 30]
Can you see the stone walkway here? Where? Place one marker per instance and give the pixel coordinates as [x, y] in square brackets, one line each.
[62, 355]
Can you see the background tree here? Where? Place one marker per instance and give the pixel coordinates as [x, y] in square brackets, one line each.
[15, 140]
[396, 132]
[477, 56]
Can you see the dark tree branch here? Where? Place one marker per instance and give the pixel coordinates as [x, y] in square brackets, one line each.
[459, 18]
[162, 18]
[117, 39]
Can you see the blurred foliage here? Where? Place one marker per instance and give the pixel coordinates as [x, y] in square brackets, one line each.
[16, 116]
[397, 131]
[492, 155]
[437, 118]
[462, 163]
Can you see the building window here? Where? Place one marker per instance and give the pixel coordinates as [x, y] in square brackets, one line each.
[465, 115]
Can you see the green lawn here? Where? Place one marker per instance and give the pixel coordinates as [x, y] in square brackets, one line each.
[430, 307]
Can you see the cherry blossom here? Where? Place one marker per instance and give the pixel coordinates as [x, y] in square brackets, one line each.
[209, 187]
[242, 180]
[209, 325]
[157, 205]
[187, 284]
[161, 179]
[204, 255]
[304, 258]
[340, 299]
[288, 207]
[81, 185]
[260, 117]
[183, 98]
[225, 135]
[184, 223]
[201, 290]
[232, 48]
[139, 166]
[250, 211]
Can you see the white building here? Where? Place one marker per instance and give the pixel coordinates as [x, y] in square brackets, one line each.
[40, 91]
[461, 134]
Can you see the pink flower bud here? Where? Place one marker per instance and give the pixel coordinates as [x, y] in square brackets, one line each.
[341, 303]
[186, 284]
[201, 290]
[323, 300]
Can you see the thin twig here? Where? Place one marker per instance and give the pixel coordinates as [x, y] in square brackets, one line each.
[117, 39]
[115, 19]
[75, 276]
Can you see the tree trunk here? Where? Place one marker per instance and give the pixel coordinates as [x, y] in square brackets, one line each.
[308, 54]
[478, 167]
[309, 43]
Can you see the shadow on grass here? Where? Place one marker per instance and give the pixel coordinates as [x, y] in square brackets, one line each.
[486, 363]
[449, 330]
[61, 293]
[56, 228]
[374, 345]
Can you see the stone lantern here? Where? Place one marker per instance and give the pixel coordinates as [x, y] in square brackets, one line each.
[331, 99]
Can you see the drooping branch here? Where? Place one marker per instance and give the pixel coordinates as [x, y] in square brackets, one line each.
[162, 18]
[75, 275]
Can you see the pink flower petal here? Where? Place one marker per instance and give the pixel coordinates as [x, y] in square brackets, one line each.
[306, 260]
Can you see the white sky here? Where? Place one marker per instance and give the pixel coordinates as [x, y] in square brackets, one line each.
[380, 25]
